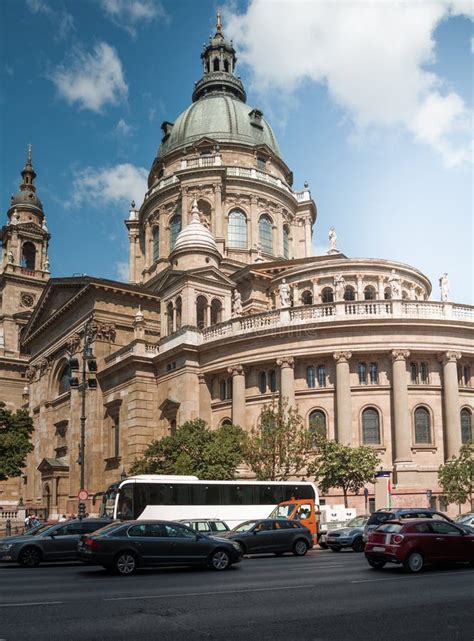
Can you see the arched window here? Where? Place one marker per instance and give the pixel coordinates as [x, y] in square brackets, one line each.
[307, 297]
[265, 232]
[373, 373]
[216, 311]
[237, 230]
[327, 295]
[310, 376]
[349, 293]
[413, 373]
[156, 243]
[225, 421]
[422, 425]
[201, 309]
[272, 380]
[424, 373]
[322, 376]
[215, 64]
[317, 422]
[64, 383]
[370, 427]
[362, 371]
[262, 382]
[169, 318]
[226, 66]
[286, 241]
[369, 293]
[179, 312]
[387, 293]
[175, 228]
[28, 255]
[466, 426]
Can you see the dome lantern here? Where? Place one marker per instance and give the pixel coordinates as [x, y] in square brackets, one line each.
[195, 245]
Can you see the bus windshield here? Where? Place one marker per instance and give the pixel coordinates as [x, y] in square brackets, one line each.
[108, 503]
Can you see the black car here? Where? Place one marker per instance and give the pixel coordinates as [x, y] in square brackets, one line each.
[48, 542]
[272, 535]
[380, 516]
[123, 547]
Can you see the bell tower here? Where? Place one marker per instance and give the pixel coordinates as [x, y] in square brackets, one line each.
[24, 271]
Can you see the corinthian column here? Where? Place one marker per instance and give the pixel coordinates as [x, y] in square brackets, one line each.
[287, 380]
[400, 406]
[343, 398]
[451, 403]
[238, 394]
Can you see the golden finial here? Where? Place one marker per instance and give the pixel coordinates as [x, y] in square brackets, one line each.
[219, 23]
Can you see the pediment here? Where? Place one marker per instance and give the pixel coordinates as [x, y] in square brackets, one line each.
[203, 274]
[52, 465]
[205, 141]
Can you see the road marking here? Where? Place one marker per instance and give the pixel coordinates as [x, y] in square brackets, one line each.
[20, 605]
[218, 593]
[400, 578]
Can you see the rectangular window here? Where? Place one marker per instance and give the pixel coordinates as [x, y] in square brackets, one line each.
[116, 428]
[424, 373]
[374, 374]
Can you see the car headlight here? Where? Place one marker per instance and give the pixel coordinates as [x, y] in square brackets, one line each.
[5, 546]
[236, 545]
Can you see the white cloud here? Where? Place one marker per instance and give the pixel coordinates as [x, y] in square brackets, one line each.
[122, 128]
[92, 80]
[117, 185]
[127, 14]
[121, 270]
[62, 19]
[372, 56]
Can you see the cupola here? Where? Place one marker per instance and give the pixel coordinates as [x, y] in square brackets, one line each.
[195, 245]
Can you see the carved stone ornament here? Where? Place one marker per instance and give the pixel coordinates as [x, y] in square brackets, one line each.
[236, 370]
[449, 357]
[74, 343]
[102, 331]
[27, 300]
[286, 361]
[43, 365]
[342, 357]
[400, 354]
[30, 373]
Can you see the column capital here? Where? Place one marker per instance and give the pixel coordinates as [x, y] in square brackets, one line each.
[286, 361]
[201, 378]
[236, 370]
[449, 357]
[400, 354]
[342, 357]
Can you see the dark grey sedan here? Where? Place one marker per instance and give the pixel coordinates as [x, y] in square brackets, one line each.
[272, 535]
[48, 542]
[124, 547]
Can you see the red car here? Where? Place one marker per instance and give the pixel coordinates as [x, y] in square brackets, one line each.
[415, 543]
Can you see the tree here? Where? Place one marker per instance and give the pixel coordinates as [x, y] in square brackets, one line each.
[278, 447]
[336, 465]
[196, 450]
[456, 477]
[15, 431]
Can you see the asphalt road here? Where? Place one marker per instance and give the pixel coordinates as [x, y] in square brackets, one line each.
[321, 597]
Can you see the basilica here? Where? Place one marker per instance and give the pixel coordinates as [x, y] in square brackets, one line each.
[225, 308]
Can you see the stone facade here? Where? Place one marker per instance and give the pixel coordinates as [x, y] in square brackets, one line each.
[226, 308]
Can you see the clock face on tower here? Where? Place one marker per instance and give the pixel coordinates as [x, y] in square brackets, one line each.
[27, 300]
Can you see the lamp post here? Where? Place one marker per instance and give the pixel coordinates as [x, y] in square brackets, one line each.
[88, 380]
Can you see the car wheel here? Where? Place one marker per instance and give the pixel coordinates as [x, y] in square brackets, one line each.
[414, 562]
[335, 549]
[220, 560]
[358, 545]
[30, 557]
[300, 548]
[376, 564]
[125, 564]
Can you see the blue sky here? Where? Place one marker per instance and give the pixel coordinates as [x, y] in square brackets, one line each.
[371, 104]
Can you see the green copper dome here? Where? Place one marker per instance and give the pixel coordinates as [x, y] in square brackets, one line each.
[224, 118]
[219, 110]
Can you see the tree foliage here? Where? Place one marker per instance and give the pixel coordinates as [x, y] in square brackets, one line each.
[456, 477]
[279, 446]
[195, 450]
[15, 431]
[336, 465]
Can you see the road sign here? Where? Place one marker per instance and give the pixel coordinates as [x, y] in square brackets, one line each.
[83, 495]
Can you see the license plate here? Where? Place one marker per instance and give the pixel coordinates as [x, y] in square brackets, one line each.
[378, 548]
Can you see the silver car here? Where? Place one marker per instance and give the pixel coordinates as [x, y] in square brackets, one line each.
[349, 536]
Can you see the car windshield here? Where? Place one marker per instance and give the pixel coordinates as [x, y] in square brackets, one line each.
[244, 527]
[283, 511]
[358, 521]
[464, 517]
[109, 526]
[389, 527]
[380, 517]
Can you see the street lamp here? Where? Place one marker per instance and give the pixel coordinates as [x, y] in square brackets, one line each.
[88, 380]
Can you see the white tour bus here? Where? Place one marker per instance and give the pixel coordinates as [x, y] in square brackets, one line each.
[171, 498]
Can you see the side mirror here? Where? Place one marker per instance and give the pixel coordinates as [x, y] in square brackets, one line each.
[254, 532]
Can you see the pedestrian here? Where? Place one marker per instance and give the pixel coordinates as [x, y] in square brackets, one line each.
[27, 522]
[63, 518]
[8, 528]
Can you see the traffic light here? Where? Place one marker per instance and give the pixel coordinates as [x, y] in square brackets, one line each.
[82, 510]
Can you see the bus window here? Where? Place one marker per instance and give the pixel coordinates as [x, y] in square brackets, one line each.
[125, 503]
[269, 494]
[238, 495]
[179, 494]
[141, 497]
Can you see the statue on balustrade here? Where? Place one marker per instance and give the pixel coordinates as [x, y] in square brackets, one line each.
[339, 286]
[332, 240]
[395, 285]
[237, 304]
[444, 286]
[285, 294]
